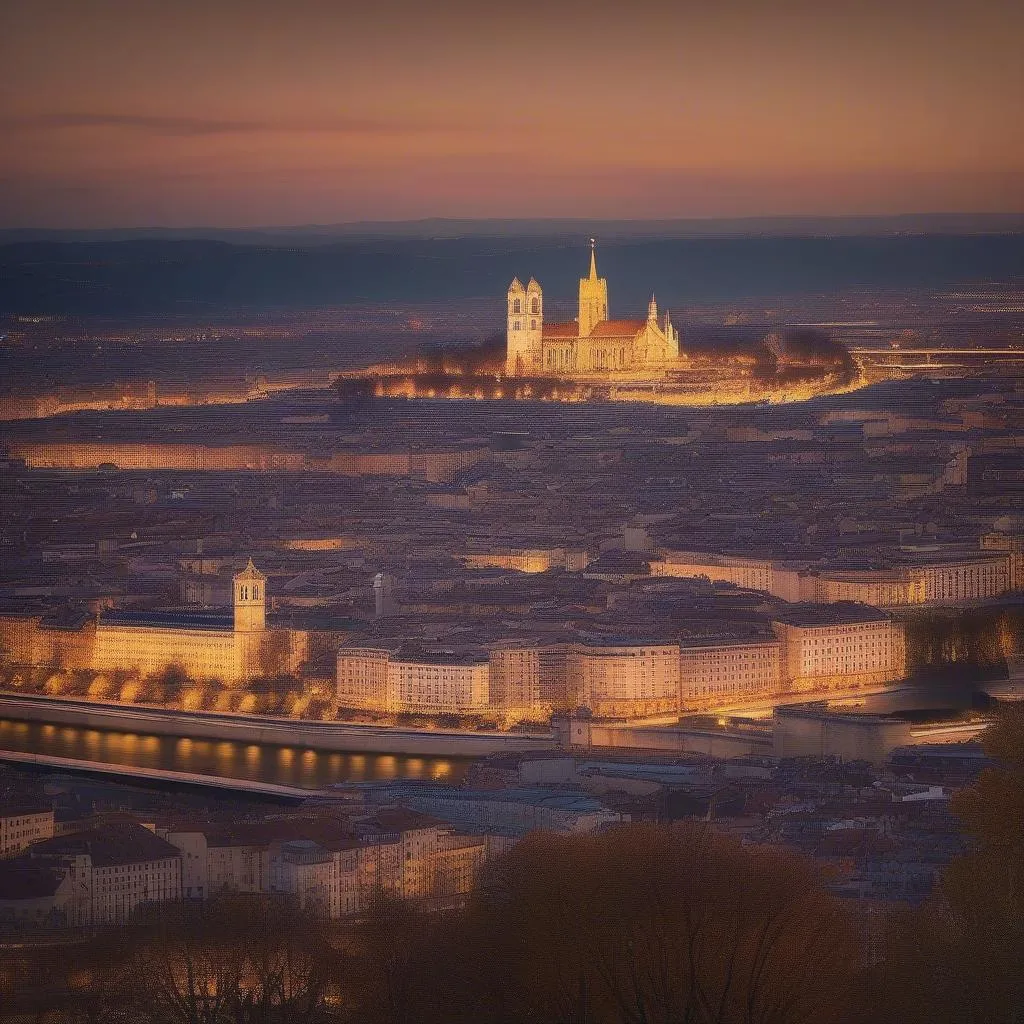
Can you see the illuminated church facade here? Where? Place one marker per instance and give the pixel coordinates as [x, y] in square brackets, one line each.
[590, 344]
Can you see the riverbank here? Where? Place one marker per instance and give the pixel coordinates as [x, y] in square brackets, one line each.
[265, 729]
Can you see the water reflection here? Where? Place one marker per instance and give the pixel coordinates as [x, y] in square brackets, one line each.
[258, 762]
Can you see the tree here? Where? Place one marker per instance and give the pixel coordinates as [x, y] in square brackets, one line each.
[639, 925]
[956, 960]
[242, 960]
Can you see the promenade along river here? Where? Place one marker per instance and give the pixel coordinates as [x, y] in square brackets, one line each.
[283, 765]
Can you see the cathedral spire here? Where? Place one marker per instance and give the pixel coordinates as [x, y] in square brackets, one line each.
[652, 310]
[593, 298]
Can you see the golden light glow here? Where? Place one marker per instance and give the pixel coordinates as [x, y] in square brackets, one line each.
[246, 112]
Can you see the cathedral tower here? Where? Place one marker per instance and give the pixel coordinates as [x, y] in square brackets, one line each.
[593, 297]
[250, 600]
[535, 318]
[525, 324]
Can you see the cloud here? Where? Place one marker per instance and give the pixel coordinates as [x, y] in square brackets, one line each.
[159, 124]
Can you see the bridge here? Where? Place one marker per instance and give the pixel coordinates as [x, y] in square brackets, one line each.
[135, 773]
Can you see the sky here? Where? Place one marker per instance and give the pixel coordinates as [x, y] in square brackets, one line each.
[122, 113]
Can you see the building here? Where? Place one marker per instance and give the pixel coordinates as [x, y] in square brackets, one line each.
[930, 579]
[816, 730]
[826, 647]
[34, 896]
[712, 673]
[970, 578]
[590, 344]
[626, 680]
[750, 573]
[521, 559]
[530, 680]
[333, 867]
[207, 645]
[23, 823]
[404, 679]
[883, 588]
[204, 645]
[113, 870]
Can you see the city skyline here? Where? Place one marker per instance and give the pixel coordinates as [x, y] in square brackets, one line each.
[243, 115]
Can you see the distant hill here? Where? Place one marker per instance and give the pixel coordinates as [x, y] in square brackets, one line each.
[438, 227]
[204, 276]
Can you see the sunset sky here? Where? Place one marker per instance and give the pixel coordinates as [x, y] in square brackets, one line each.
[250, 112]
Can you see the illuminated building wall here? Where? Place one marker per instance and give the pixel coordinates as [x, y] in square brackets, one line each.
[965, 580]
[441, 686]
[713, 673]
[523, 560]
[626, 681]
[524, 679]
[531, 680]
[841, 654]
[20, 827]
[950, 581]
[363, 679]
[28, 640]
[382, 680]
[202, 653]
[205, 645]
[424, 863]
[880, 588]
[1013, 545]
[454, 867]
[435, 466]
[751, 573]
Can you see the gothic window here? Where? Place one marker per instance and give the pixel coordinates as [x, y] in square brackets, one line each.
[515, 325]
[517, 306]
[244, 593]
[533, 324]
[535, 306]
[255, 593]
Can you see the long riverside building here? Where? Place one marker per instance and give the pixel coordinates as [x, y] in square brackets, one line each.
[812, 648]
[435, 465]
[231, 648]
[936, 580]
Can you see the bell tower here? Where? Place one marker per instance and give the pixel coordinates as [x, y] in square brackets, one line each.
[525, 324]
[534, 320]
[250, 600]
[593, 297]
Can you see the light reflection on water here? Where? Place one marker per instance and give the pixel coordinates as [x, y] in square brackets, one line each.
[288, 766]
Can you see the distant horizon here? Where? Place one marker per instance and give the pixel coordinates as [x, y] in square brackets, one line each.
[931, 222]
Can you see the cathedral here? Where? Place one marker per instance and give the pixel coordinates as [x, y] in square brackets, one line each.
[589, 344]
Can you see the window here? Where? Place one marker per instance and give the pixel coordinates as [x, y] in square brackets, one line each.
[535, 305]
[517, 307]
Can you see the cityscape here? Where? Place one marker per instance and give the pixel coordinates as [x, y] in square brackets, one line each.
[555, 590]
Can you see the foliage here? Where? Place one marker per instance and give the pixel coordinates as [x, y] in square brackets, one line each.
[956, 960]
[637, 925]
[236, 960]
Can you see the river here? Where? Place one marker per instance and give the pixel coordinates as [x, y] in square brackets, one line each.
[283, 765]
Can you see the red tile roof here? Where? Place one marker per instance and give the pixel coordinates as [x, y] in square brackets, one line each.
[617, 328]
[566, 330]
